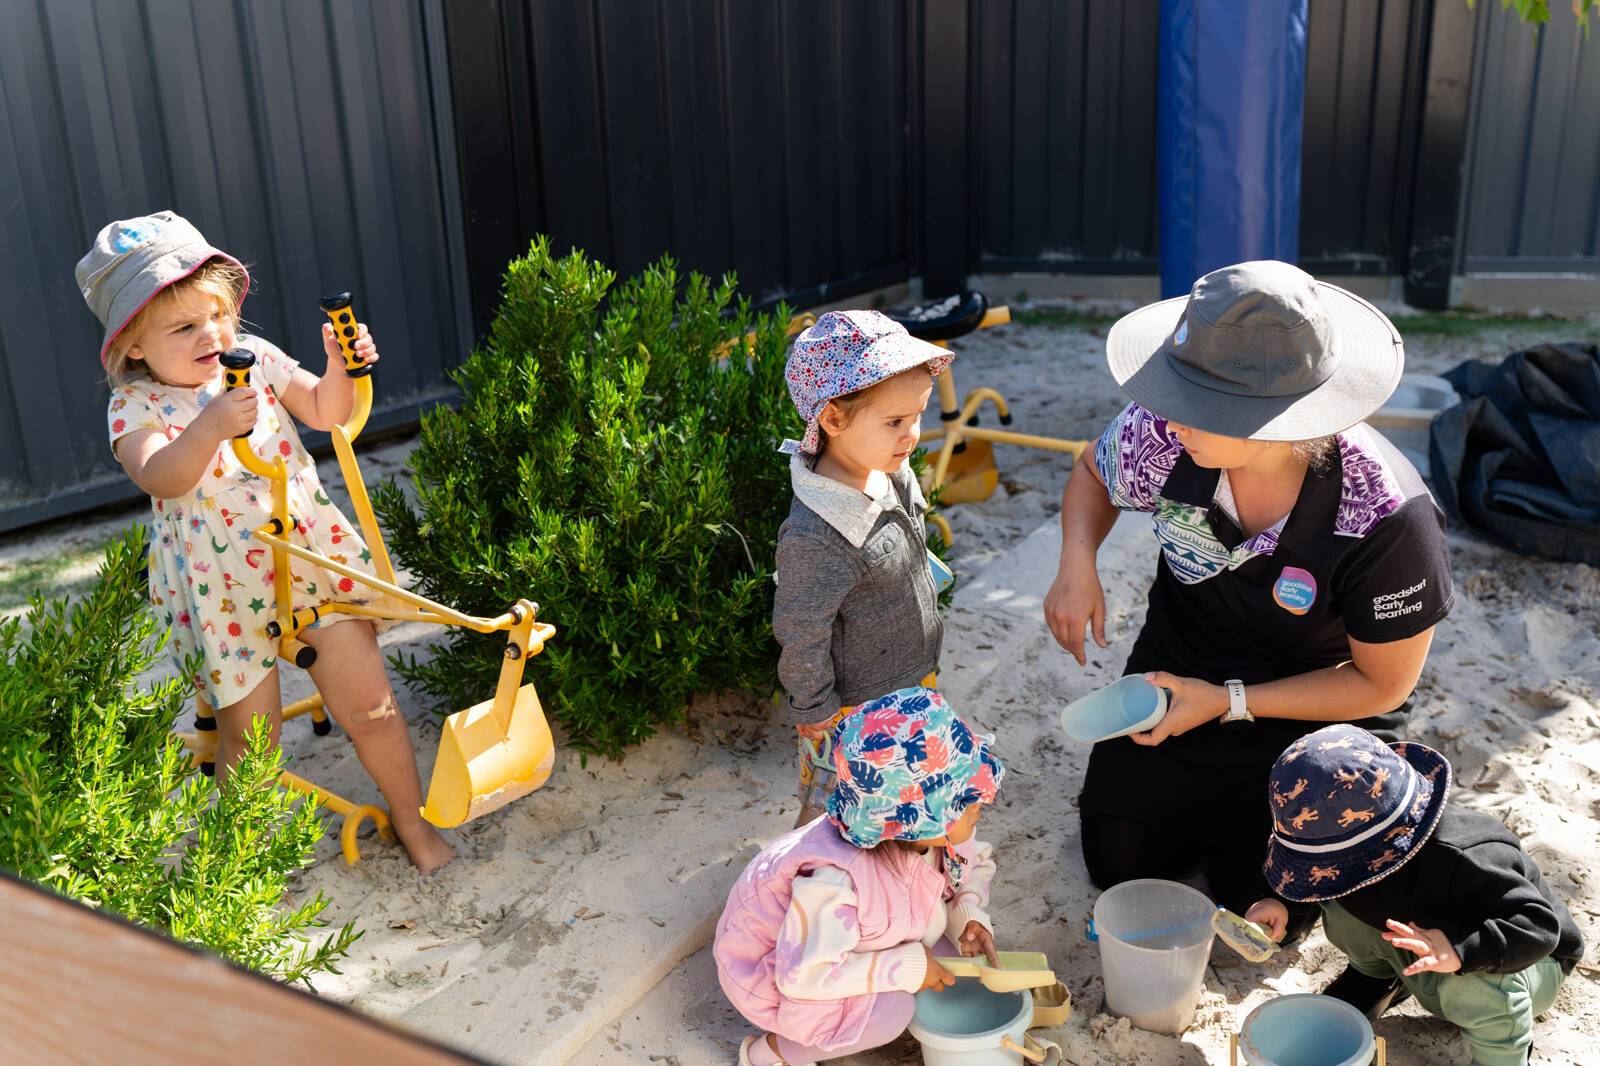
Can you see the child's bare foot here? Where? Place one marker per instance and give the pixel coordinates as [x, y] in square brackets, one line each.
[426, 847]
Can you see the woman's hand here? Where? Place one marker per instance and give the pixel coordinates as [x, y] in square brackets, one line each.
[1076, 599]
[365, 346]
[1272, 914]
[936, 977]
[1190, 702]
[1436, 952]
[976, 940]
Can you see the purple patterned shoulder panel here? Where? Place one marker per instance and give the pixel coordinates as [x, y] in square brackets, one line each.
[1135, 456]
[1370, 491]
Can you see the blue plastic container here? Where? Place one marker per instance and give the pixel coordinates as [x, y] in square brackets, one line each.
[968, 1025]
[1128, 705]
[1306, 1030]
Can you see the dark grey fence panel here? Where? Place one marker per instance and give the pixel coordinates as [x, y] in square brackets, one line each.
[1064, 135]
[1533, 199]
[1363, 76]
[764, 136]
[299, 135]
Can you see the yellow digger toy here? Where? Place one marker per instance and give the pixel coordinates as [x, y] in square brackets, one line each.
[964, 469]
[489, 754]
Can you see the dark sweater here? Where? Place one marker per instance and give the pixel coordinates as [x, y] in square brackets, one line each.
[1473, 881]
[855, 610]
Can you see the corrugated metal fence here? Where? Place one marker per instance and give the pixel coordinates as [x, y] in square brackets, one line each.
[768, 138]
[1533, 178]
[407, 150]
[300, 135]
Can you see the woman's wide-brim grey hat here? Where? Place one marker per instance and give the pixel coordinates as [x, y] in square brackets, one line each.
[1259, 350]
[135, 258]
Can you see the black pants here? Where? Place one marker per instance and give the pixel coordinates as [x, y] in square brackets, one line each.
[1119, 849]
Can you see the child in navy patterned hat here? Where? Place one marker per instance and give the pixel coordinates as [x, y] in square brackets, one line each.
[856, 607]
[1427, 899]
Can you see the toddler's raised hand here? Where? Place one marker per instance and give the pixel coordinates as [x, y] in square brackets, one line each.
[813, 730]
[1272, 914]
[366, 347]
[231, 413]
[1433, 948]
[936, 977]
[976, 940]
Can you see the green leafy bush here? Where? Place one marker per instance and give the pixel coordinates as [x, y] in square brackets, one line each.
[607, 463]
[97, 801]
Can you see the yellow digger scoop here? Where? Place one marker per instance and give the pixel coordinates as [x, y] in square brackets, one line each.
[500, 749]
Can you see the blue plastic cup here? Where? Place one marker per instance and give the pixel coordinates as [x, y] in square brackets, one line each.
[1128, 705]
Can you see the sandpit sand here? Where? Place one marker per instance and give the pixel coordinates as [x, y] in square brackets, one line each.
[1511, 695]
[572, 926]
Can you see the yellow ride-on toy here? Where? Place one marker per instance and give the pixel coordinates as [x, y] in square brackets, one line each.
[489, 754]
[965, 469]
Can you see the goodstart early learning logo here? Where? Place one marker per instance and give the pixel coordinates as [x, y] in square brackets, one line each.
[1295, 591]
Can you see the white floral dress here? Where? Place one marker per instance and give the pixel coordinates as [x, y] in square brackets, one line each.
[209, 579]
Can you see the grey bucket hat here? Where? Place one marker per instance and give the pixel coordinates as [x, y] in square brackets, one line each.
[1260, 350]
[133, 259]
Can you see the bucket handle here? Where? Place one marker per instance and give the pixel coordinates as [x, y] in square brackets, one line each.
[1032, 1049]
[1233, 1050]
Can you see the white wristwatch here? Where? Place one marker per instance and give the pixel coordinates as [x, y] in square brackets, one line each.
[1237, 713]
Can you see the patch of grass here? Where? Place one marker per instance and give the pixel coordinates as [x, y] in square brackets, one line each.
[66, 573]
[1467, 322]
[1063, 316]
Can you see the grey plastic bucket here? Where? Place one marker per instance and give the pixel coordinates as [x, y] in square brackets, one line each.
[1306, 1030]
[968, 1025]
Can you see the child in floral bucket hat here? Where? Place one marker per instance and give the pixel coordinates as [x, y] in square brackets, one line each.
[1427, 899]
[856, 609]
[831, 931]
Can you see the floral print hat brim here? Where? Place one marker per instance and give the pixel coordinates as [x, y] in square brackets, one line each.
[908, 768]
[844, 352]
[1348, 810]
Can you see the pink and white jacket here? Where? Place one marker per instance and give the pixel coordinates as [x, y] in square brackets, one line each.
[816, 928]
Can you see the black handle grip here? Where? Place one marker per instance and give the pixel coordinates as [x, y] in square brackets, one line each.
[236, 364]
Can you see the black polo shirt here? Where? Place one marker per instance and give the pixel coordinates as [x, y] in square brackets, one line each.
[1362, 554]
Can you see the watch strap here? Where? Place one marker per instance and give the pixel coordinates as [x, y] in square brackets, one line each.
[1237, 711]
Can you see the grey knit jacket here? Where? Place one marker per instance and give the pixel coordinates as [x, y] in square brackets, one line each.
[856, 611]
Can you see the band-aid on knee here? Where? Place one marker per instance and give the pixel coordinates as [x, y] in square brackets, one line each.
[387, 709]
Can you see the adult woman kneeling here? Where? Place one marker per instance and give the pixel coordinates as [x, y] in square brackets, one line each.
[1302, 569]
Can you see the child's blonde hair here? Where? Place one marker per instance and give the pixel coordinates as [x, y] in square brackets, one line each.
[217, 277]
[851, 403]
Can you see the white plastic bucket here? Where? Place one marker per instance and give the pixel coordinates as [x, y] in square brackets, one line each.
[965, 1024]
[1405, 416]
[1155, 941]
[1306, 1030]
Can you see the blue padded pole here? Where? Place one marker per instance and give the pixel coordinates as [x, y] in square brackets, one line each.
[1228, 117]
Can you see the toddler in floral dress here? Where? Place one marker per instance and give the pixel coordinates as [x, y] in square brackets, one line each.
[170, 305]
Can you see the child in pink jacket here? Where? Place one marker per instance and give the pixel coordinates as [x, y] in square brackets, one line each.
[830, 931]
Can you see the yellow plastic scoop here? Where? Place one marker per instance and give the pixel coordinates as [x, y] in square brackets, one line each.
[1018, 970]
[500, 749]
[1245, 937]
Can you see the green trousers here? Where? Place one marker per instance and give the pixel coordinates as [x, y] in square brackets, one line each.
[1494, 1010]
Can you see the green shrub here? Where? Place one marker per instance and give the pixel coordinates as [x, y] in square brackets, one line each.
[96, 798]
[605, 463]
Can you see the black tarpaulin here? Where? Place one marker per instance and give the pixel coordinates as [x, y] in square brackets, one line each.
[1519, 457]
